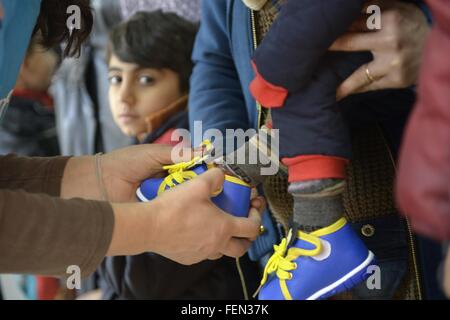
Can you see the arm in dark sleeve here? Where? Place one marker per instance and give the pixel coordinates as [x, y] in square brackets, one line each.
[35, 175]
[43, 235]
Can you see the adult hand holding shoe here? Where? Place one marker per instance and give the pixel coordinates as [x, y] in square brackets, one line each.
[184, 225]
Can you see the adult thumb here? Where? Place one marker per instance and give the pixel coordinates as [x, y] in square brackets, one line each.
[212, 180]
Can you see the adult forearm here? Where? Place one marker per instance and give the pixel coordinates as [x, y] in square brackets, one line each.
[80, 180]
[133, 227]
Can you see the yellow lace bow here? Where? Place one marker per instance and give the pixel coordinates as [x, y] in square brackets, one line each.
[180, 172]
[282, 264]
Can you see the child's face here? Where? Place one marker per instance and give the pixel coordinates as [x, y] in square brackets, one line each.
[135, 93]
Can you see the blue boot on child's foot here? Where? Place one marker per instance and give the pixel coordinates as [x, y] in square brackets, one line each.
[317, 266]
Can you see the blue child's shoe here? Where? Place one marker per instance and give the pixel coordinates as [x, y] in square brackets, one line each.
[178, 174]
[317, 266]
[234, 198]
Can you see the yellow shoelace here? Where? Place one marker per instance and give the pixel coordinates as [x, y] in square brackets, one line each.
[282, 264]
[180, 172]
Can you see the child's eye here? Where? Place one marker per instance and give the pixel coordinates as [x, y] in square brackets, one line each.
[115, 80]
[146, 80]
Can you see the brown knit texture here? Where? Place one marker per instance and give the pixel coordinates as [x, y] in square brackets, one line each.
[266, 17]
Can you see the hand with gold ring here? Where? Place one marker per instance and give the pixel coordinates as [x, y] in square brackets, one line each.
[396, 48]
[369, 77]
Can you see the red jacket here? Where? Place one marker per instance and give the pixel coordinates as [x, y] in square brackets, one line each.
[423, 186]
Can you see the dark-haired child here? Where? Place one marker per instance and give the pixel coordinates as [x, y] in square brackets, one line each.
[150, 65]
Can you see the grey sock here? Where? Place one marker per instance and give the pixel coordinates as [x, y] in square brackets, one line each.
[251, 159]
[317, 203]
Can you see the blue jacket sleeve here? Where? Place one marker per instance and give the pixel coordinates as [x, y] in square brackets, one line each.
[216, 96]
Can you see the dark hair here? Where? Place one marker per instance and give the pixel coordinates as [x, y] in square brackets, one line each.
[156, 40]
[51, 26]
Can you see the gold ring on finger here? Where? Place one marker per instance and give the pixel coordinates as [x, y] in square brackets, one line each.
[369, 75]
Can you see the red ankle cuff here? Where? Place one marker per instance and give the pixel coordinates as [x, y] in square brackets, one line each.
[315, 167]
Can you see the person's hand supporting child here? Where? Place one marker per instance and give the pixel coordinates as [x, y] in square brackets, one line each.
[397, 48]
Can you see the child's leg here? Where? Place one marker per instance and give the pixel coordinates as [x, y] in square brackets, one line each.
[293, 49]
[317, 203]
[325, 256]
[315, 143]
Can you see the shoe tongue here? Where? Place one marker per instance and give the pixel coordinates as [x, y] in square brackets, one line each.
[291, 238]
[302, 244]
[200, 169]
[294, 241]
